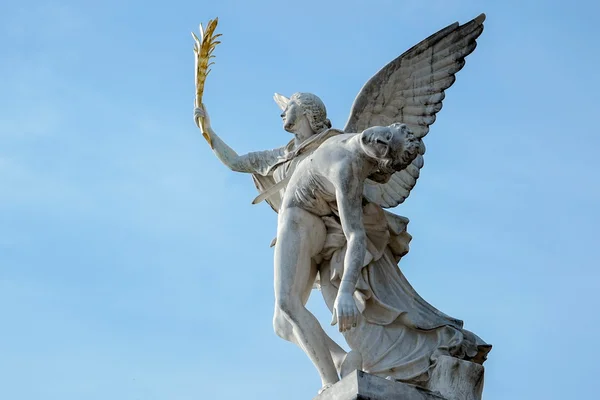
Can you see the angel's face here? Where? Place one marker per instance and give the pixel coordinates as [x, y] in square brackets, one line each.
[291, 115]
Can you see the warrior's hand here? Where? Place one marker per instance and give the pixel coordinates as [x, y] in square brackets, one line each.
[345, 312]
[200, 112]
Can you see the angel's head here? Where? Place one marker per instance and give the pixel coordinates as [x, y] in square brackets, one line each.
[303, 105]
[394, 147]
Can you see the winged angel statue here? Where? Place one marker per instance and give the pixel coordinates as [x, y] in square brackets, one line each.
[353, 256]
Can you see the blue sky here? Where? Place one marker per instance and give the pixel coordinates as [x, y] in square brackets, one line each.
[133, 266]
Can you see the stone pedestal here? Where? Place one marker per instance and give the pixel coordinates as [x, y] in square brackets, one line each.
[359, 385]
[456, 379]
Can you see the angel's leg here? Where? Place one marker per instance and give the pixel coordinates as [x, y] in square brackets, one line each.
[284, 328]
[338, 354]
[300, 236]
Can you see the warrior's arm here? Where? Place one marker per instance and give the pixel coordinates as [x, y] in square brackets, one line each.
[349, 193]
[255, 162]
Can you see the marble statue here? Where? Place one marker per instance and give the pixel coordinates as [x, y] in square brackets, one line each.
[330, 189]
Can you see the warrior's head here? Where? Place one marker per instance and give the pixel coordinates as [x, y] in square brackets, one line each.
[394, 147]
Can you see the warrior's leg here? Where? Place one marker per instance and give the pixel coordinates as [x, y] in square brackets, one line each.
[300, 236]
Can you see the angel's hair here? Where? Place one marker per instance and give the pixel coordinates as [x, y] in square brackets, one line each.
[315, 111]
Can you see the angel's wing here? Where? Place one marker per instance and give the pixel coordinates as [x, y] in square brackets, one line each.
[410, 90]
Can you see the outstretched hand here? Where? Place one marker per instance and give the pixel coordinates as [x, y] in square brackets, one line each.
[345, 312]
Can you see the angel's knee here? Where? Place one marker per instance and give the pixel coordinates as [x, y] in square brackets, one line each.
[281, 325]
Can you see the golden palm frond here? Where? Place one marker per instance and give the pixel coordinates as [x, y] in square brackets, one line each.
[203, 48]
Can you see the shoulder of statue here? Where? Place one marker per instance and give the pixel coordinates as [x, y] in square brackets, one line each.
[319, 138]
[335, 131]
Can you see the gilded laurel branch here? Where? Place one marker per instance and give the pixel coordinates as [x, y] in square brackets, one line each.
[203, 49]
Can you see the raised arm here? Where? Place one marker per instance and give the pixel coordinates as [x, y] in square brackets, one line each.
[349, 193]
[255, 162]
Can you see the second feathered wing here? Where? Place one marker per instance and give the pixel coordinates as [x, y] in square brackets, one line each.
[410, 90]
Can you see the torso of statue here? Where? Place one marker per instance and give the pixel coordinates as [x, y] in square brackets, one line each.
[313, 193]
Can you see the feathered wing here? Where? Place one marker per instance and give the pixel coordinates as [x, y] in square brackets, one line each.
[410, 89]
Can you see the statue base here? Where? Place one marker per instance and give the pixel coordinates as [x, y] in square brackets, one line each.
[456, 379]
[359, 385]
[450, 379]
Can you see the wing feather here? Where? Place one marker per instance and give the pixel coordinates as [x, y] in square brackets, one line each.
[425, 100]
[410, 89]
[408, 181]
[419, 120]
[428, 109]
[397, 183]
[394, 185]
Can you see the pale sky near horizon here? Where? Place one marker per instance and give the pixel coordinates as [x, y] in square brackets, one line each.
[133, 266]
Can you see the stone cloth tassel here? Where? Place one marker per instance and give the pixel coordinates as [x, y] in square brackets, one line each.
[203, 48]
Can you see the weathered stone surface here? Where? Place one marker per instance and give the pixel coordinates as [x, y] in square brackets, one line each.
[456, 379]
[362, 386]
